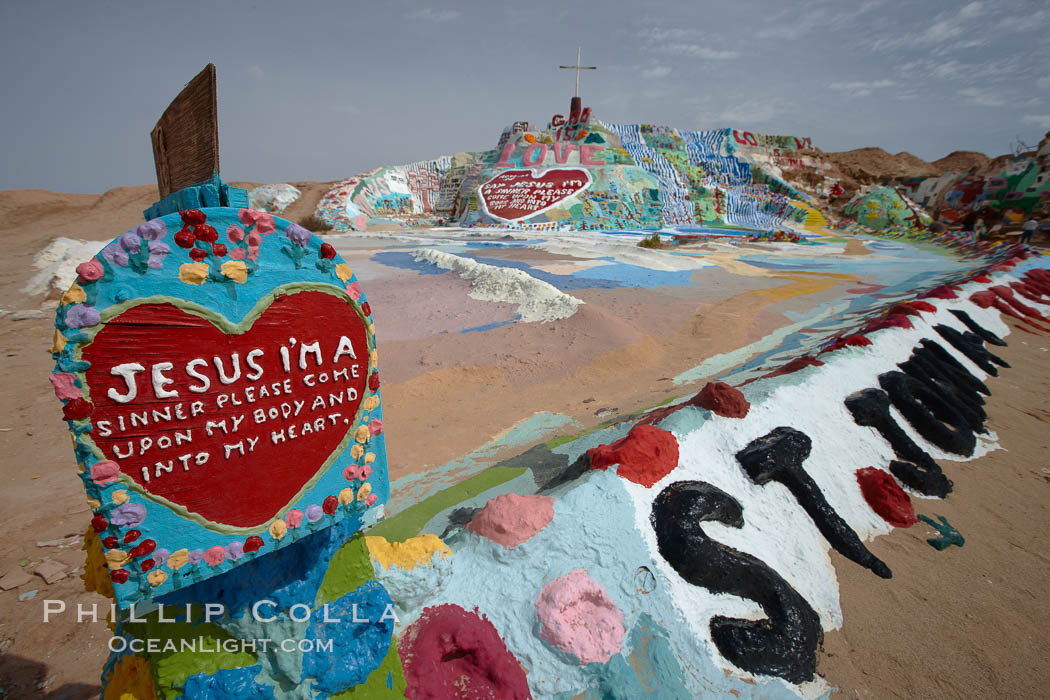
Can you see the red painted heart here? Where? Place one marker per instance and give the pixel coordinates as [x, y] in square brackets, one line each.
[216, 418]
[517, 194]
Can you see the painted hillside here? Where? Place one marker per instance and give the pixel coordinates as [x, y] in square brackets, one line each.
[633, 176]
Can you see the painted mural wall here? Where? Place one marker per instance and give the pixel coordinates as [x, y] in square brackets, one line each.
[637, 176]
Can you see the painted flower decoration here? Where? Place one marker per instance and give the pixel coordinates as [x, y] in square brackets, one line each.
[298, 235]
[91, 271]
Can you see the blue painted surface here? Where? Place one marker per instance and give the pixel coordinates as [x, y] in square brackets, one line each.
[488, 326]
[407, 261]
[228, 684]
[358, 647]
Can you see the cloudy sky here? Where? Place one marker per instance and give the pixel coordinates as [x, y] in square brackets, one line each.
[320, 90]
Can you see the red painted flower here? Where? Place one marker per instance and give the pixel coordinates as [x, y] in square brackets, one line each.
[119, 576]
[143, 548]
[131, 536]
[98, 523]
[193, 217]
[219, 249]
[327, 251]
[185, 238]
[366, 309]
[330, 504]
[206, 233]
[111, 543]
[253, 544]
[148, 564]
[198, 254]
[77, 409]
[373, 381]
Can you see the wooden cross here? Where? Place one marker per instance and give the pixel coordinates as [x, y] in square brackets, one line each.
[578, 68]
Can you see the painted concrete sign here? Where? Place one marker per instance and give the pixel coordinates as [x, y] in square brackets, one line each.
[519, 194]
[222, 392]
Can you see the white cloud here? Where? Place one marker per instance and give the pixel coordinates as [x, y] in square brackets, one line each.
[684, 42]
[1040, 120]
[783, 31]
[697, 51]
[981, 97]
[861, 88]
[429, 14]
[656, 72]
[1043, 83]
[747, 113]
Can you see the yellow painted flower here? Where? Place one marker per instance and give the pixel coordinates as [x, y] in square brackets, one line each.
[236, 270]
[369, 458]
[371, 402]
[157, 577]
[116, 558]
[120, 496]
[362, 493]
[356, 451]
[346, 496]
[73, 295]
[58, 343]
[94, 503]
[278, 529]
[361, 434]
[343, 272]
[178, 559]
[193, 273]
[373, 358]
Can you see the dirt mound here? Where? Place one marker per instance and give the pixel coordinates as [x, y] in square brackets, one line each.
[962, 161]
[867, 165]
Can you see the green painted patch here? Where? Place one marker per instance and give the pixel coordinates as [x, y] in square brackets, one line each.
[387, 681]
[348, 570]
[409, 522]
[175, 663]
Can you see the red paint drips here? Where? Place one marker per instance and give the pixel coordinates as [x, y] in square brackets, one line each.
[722, 399]
[886, 497]
[646, 455]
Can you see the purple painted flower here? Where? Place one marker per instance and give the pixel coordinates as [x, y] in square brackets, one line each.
[314, 513]
[298, 235]
[130, 242]
[82, 316]
[235, 550]
[155, 263]
[196, 555]
[160, 556]
[115, 254]
[128, 515]
[152, 230]
[158, 248]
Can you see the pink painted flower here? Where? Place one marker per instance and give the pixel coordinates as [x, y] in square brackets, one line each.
[215, 555]
[371, 500]
[237, 253]
[235, 233]
[350, 473]
[375, 426]
[91, 270]
[254, 239]
[264, 223]
[103, 473]
[354, 290]
[64, 385]
[294, 518]
[253, 252]
[364, 472]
